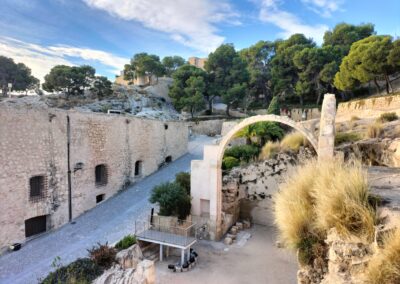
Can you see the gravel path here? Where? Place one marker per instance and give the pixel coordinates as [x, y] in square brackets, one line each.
[108, 221]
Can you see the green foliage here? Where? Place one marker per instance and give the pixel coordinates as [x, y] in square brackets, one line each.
[173, 200]
[262, 132]
[171, 63]
[274, 107]
[126, 242]
[82, 271]
[143, 64]
[103, 255]
[183, 179]
[242, 152]
[188, 89]
[19, 75]
[388, 116]
[101, 87]
[228, 75]
[368, 59]
[70, 79]
[344, 137]
[229, 163]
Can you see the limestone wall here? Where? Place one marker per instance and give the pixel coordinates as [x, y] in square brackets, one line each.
[207, 127]
[368, 108]
[34, 142]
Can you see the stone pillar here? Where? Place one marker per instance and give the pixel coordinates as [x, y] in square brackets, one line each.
[326, 141]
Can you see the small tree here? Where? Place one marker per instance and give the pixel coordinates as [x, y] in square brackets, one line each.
[101, 87]
[173, 200]
[183, 179]
[143, 64]
[274, 107]
[171, 63]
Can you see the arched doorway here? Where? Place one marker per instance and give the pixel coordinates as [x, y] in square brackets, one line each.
[206, 174]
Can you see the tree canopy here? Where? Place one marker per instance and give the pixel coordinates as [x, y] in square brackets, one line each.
[143, 64]
[171, 63]
[18, 74]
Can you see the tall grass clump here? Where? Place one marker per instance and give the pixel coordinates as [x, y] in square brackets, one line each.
[293, 141]
[375, 130]
[294, 213]
[269, 150]
[342, 200]
[344, 137]
[384, 266]
[388, 116]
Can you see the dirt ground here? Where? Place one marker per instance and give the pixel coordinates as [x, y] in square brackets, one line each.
[253, 258]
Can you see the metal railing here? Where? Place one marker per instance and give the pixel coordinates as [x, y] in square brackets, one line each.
[166, 230]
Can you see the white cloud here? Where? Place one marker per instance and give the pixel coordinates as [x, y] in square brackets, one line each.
[270, 12]
[42, 58]
[324, 8]
[189, 22]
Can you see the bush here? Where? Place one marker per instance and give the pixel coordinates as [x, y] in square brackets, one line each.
[83, 270]
[269, 150]
[229, 163]
[274, 107]
[263, 131]
[183, 179]
[375, 130]
[344, 137]
[126, 242]
[384, 266]
[173, 200]
[293, 141]
[388, 116]
[242, 152]
[103, 255]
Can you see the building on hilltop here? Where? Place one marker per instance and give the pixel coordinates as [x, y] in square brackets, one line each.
[198, 62]
[138, 81]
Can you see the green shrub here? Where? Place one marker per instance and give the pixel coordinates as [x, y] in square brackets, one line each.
[126, 242]
[103, 255]
[173, 200]
[183, 179]
[274, 107]
[242, 152]
[82, 271]
[263, 131]
[229, 163]
[388, 116]
[344, 137]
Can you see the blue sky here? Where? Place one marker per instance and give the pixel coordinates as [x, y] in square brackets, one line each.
[106, 33]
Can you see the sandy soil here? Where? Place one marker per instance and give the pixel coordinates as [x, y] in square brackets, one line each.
[256, 260]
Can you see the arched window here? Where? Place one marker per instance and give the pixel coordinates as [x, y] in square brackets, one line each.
[101, 175]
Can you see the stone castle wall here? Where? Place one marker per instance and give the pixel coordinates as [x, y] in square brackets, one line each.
[368, 108]
[34, 142]
[207, 127]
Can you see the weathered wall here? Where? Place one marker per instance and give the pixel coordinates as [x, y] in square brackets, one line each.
[368, 108]
[34, 142]
[207, 127]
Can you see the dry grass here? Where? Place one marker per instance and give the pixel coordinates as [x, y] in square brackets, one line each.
[269, 150]
[293, 206]
[384, 266]
[387, 117]
[321, 196]
[342, 200]
[375, 130]
[293, 141]
[354, 118]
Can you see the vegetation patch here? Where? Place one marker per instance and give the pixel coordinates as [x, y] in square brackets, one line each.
[388, 116]
[244, 153]
[82, 271]
[375, 130]
[229, 162]
[269, 150]
[103, 255]
[126, 242]
[293, 141]
[345, 137]
[183, 179]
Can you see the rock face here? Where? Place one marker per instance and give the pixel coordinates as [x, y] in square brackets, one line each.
[143, 274]
[130, 257]
[247, 191]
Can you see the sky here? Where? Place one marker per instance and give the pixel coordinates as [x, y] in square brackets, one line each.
[107, 33]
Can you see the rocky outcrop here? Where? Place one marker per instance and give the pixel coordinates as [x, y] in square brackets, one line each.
[247, 191]
[143, 274]
[130, 257]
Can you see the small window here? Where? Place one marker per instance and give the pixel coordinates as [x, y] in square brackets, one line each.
[205, 208]
[168, 159]
[100, 198]
[138, 168]
[35, 225]
[165, 126]
[37, 188]
[101, 175]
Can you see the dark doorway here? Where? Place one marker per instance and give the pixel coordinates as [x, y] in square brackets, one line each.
[100, 198]
[35, 225]
[101, 175]
[168, 159]
[138, 168]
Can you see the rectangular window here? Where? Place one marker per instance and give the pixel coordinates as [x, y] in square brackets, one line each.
[100, 198]
[101, 175]
[205, 207]
[138, 168]
[35, 225]
[37, 188]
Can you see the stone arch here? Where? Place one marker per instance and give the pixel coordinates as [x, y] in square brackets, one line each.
[262, 118]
